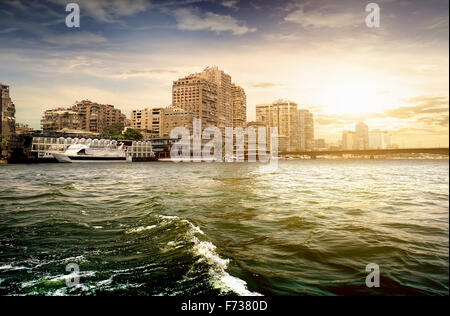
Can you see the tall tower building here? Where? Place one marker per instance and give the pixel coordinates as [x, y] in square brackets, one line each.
[239, 110]
[348, 140]
[362, 136]
[224, 108]
[7, 112]
[284, 115]
[198, 96]
[306, 129]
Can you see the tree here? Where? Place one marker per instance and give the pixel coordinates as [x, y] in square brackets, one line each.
[113, 130]
[4, 142]
[132, 134]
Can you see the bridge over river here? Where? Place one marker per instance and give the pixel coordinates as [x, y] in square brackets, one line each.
[369, 152]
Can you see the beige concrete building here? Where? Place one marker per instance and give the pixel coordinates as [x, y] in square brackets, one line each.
[84, 116]
[239, 109]
[175, 117]
[59, 119]
[7, 112]
[306, 120]
[148, 121]
[362, 136]
[224, 108]
[197, 96]
[284, 115]
[211, 97]
[348, 140]
[95, 117]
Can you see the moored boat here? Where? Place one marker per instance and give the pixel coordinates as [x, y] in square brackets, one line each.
[88, 153]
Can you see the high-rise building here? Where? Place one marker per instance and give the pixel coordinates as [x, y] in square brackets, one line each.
[95, 117]
[306, 119]
[212, 97]
[380, 140]
[224, 109]
[239, 110]
[148, 121]
[7, 112]
[175, 117]
[284, 115]
[348, 140]
[84, 116]
[197, 95]
[60, 119]
[362, 136]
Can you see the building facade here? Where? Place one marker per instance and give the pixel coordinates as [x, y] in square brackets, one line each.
[284, 115]
[224, 108]
[348, 140]
[306, 119]
[211, 97]
[95, 117]
[176, 117]
[148, 121]
[380, 140]
[83, 116]
[7, 112]
[239, 109]
[362, 136]
[60, 119]
[197, 96]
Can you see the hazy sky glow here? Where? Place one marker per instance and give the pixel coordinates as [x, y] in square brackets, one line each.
[319, 54]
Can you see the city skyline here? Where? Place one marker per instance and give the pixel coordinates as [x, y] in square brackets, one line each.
[321, 56]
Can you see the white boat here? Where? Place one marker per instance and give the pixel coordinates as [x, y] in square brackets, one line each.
[88, 153]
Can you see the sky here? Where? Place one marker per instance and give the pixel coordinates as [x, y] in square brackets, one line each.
[319, 54]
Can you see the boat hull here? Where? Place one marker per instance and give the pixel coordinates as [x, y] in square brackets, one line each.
[74, 159]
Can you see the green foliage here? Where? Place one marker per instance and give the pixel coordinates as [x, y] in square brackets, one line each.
[132, 134]
[4, 142]
[113, 130]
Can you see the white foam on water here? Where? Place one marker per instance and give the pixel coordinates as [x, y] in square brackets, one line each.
[9, 267]
[140, 229]
[220, 278]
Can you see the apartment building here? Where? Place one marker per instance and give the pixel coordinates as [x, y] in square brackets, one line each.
[7, 112]
[84, 116]
[60, 119]
[224, 108]
[175, 117]
[306, 120]
[197, 96]
[95, 117]
[284, 115]
[362, 136]
[239, 108]
[148, 121]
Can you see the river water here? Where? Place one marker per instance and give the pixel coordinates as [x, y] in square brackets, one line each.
[160, 228]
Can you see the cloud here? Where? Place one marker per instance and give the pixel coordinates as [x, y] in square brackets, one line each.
[193, 20]
[318, 19]
[264, 85]
[109, 10]
[232, 4]
[78, 38]
[149, 73]
[423, 105]
[8, 30]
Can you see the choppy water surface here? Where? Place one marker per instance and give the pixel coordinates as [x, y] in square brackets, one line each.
[310, 228]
